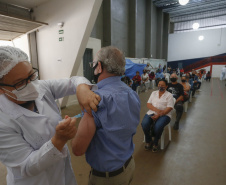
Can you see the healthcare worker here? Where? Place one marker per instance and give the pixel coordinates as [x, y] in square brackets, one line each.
[223, 73]
[32, 143]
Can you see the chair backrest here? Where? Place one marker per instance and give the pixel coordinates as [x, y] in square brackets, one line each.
[167, 75]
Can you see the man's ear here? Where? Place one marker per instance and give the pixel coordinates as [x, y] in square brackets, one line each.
[100, 67]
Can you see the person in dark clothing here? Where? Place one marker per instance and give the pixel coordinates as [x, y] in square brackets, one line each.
[126, 80]
[208, 76]
[177, 90]
[194, 79]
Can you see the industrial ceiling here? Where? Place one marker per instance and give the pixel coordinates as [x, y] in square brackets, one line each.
[209, 13]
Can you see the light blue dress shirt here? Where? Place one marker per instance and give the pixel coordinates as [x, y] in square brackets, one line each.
[116, 122]
[159, 75]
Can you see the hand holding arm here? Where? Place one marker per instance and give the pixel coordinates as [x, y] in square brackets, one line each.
[87, 99]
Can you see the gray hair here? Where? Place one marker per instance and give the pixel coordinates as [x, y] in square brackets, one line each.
[113, 60]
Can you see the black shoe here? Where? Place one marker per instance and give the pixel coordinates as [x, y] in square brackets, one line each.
[176, 126]
[155, 148]
[147, 146]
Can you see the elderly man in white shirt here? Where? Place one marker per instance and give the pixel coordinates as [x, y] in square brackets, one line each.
[32, 143]
[160, 104]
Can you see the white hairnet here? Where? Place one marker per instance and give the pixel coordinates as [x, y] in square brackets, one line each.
[9, 58]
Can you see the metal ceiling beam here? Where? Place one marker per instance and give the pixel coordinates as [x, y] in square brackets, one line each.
[198, 13]
[193, 19]
[201, 27]
[184, 13]
[194, 6]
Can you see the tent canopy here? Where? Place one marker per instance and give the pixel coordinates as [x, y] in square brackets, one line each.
[131, 68]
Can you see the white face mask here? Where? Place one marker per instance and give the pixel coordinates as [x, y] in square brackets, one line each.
[29, 93]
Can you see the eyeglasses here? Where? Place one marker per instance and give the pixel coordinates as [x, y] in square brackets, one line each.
[22, 84]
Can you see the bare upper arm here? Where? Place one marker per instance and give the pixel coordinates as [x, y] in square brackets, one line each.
[84, 135]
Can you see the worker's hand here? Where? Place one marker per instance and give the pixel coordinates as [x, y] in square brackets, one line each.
[65, 131]
[87, 99]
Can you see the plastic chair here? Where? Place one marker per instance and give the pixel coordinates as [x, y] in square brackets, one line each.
[138, 89]
[186, 106]
[153, 84]
[146, 85]
[163, 136]
[167, 77]
[162, 140]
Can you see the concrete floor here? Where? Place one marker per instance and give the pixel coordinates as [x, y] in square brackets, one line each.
[195, 156]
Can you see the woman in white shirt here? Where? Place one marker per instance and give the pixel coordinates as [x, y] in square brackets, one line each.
[160, 105]
[32, 143]
[145, 79]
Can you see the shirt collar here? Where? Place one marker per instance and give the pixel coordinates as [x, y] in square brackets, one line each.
[108, 80]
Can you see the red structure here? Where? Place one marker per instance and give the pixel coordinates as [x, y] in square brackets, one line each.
[216, 60]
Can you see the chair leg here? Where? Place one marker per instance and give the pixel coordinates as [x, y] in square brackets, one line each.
[169, 128]
[144, 139]
[162, 139]
[186, 106]
[190, 99]
[138, 89]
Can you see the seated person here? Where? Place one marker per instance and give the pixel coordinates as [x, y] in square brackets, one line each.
[148, 68]
[126, 80]
[160, 105]
[158, 76]
[136, 81]
[194, 79]
[152, 76]
[186, 86]
[199, 83]
[181, 72]
[208, 76]
[177, 90]
[144, 78]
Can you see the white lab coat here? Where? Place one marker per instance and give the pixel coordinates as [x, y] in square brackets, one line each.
[25, 137]
[223, 73]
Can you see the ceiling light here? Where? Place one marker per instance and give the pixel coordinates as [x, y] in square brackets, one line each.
[201, 37]
[195, 26]
[183, 2]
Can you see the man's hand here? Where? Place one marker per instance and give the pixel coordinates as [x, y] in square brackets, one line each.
[87, 99]
[65, 131]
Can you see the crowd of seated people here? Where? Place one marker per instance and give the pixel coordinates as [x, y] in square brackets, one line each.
[160, 102]
[160, 106]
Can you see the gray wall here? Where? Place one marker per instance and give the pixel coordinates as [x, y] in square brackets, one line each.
[120, 24]
[136, 27]
[97, 31]
[153, 31]
[140, 28]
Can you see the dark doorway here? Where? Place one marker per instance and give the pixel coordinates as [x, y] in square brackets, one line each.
[87, 70]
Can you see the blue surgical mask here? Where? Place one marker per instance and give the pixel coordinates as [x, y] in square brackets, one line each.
[162, 89]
